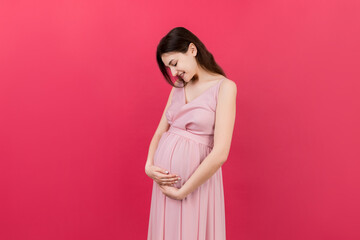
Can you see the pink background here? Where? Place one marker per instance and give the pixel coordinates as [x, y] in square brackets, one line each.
[81, 96]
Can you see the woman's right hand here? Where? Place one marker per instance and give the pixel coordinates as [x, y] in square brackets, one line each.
[161, 176]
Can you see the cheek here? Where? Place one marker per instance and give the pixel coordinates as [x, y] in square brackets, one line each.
[187, 68]
[192, 66]
[191, 69]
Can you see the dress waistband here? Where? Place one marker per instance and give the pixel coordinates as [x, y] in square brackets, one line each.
[203, 139]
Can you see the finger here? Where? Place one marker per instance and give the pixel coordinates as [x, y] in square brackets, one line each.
[161, 178]
[170, 184]
[163, 184]
[163, 171]
[159, 183]
[169, 176]
[170, 180]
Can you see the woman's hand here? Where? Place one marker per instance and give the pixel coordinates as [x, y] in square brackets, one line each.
[161, 176]
[172, 192]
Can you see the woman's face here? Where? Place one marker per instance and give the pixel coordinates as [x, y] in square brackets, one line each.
[182, 65]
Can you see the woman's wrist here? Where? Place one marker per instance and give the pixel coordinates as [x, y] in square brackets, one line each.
[182, 193]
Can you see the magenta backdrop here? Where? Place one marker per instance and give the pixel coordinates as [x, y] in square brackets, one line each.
[81, 96]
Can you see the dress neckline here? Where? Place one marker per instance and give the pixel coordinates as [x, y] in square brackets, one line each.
[184, 94]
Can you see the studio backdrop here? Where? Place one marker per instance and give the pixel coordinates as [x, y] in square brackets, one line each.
[81, 96]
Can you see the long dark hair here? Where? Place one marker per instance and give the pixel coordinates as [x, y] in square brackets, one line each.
[178, 40]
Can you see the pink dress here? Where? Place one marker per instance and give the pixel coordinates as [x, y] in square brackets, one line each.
[181, 149]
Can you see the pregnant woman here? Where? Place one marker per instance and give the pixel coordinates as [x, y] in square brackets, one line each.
[191, 143]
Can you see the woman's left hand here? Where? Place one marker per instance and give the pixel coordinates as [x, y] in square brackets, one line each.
[172, 192]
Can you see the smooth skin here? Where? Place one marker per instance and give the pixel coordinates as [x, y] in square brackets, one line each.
[199, 80]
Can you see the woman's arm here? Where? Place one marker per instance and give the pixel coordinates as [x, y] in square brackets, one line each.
[224, 126]
[162, 127]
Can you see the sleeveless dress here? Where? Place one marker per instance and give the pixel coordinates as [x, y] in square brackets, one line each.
[181, 149]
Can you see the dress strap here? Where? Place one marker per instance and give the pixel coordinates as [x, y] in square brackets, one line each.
[218, 87]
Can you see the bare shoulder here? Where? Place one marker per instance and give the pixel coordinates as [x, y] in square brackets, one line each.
[228, 87]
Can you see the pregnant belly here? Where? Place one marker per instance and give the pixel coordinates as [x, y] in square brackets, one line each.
[180, 155]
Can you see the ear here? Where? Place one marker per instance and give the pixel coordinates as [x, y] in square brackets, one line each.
[192, 49]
